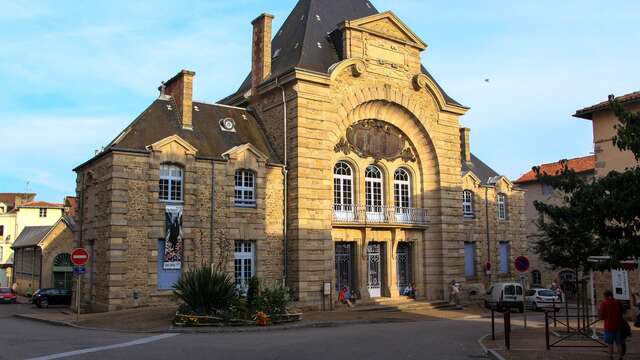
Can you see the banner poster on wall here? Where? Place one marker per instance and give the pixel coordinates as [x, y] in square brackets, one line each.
[173, 240]
[620, 284]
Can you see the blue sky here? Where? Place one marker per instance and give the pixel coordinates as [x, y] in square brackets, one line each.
[74, 73]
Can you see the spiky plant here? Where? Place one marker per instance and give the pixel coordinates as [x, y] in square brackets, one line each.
[206, 291]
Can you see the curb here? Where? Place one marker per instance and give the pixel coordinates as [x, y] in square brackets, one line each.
[492, 354]
[212, 330]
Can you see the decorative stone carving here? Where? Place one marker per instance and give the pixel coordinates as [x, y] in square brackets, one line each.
[358, 69]
[419, 82]
[376, 139]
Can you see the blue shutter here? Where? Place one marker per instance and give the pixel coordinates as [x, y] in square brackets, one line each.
[469, 259]
[504, 257]
[166, 278]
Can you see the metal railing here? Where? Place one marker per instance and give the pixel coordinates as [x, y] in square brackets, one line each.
[363, 214]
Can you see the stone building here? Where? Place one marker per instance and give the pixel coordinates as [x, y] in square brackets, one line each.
[338, 162]
[541, 273]
[42, 256]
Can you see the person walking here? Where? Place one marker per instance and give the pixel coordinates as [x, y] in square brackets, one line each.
[612, 311]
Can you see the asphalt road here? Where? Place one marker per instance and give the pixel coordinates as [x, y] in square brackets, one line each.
[433, 339]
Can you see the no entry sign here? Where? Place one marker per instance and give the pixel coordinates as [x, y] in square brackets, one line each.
[522, 264]
[79, 257]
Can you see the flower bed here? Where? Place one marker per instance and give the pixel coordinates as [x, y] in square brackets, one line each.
[185, 320]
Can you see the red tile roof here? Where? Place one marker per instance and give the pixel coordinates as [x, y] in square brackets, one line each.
[41, 204]
[579, 165]
[587, 112]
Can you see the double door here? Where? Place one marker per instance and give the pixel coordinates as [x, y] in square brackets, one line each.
[375, 259]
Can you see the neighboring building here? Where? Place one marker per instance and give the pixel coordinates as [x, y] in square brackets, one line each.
[42, 256]
[18, 211]
[541, 274]
[608, 156]
[338, 161]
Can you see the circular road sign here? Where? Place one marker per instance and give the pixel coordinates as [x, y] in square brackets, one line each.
[79, 257]
[522, 263]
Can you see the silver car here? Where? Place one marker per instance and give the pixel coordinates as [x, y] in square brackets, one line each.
[542, 299]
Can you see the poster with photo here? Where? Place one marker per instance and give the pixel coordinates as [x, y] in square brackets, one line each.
[173, 240]
[620, 282]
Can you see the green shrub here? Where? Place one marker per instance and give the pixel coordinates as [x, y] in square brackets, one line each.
[276, 299]
[254, 299]
[206, 291]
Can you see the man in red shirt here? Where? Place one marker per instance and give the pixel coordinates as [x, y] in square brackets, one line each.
[610, 311]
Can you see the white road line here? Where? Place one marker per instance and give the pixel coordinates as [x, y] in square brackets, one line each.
[107, 347]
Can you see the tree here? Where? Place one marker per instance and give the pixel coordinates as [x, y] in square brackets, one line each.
[596, 217]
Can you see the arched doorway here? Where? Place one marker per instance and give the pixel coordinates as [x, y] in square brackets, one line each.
[62, 271]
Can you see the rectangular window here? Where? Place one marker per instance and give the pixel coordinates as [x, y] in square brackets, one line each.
[244, 263]
[467, 204]
[469, 259]
[501, 201]
[43, 212]
[504, 257]
[245, 189]
[1, 253]
[170, 185]
[1, 230]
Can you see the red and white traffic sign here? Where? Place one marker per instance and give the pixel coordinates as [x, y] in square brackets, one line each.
[79, 257]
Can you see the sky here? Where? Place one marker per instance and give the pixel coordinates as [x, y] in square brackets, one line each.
[75, 73]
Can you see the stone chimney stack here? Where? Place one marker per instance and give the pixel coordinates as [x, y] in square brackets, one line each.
[261, 50]
[180, 88]
[465, 147]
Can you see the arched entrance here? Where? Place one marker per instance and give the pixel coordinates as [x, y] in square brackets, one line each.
[62, 271]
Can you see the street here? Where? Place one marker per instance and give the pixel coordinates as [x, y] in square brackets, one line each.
[422, 339]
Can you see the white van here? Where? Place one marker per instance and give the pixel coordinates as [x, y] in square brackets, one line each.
[503, 296]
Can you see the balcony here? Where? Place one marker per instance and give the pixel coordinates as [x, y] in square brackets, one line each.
[379, 215]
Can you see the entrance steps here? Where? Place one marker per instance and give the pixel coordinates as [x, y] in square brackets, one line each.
[400, 304]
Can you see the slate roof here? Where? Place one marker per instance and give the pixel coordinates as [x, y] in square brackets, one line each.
[308, 25]
[161, 120]
[587, 113]
[579, 165]
[31, 236]
[480, 169]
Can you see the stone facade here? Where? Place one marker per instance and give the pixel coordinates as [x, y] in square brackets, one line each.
[388, 232]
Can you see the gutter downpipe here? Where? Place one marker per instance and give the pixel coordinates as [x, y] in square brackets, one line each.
[486, 215]
[285, 172]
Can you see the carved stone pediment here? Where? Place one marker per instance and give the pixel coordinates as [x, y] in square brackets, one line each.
[375, 139]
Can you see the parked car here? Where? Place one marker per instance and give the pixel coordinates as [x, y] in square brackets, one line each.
[542, 299]
[502, 296]
[43, 298]
[6, 296]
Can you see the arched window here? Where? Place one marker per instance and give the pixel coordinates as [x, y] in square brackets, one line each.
[343, 187]
[536, 277]
[373, 189]
[402, 188]
[245, 188]
[62, 260]
[501, 202]
[171, 180]
[467, 204]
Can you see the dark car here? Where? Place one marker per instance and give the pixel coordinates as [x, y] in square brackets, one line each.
[43, 298]
[6, 296]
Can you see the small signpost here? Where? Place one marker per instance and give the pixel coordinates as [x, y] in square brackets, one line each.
[79, 258]
[522, 266]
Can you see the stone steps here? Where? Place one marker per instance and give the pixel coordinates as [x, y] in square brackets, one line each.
[399, 304]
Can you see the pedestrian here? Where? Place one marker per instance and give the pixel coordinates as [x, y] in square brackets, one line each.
[344, 297]
[612, 311]
[454, 293]
[29, 291]
[14, 288]
[410, 291]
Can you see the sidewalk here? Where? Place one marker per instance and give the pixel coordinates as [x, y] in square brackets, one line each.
[530, 344]
[159, 319]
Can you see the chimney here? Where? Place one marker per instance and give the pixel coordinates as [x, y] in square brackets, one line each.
[180, 88]
[261, 50]
[465, 147]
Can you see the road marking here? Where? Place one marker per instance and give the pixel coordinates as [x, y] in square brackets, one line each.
[107, 347]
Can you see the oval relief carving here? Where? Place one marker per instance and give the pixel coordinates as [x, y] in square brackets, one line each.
[376, 139]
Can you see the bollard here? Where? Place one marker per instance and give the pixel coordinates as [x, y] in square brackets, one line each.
[546, 327]
[507, 329]
[493, 324]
